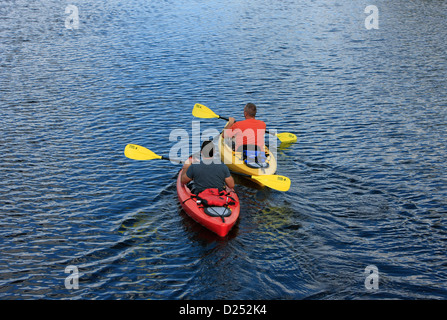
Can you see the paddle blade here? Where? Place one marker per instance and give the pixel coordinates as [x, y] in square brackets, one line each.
[280, 183]
[136, 152]
[201, 111]
[287, 137]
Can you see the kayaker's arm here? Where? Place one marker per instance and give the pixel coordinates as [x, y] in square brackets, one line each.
[230, 123]
[230, 182]
[185, 179]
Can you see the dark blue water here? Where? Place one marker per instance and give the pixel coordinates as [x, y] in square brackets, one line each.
[368, 171]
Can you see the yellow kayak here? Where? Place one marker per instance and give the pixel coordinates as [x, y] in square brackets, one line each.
[234, 161]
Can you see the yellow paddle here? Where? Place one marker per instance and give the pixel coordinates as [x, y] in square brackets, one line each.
[136, 152]
[277, 182]
[201, 111]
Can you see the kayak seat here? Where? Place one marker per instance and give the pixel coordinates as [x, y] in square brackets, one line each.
[255, 158]
[217, 211]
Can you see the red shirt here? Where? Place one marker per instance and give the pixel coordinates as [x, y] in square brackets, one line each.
[249, 131]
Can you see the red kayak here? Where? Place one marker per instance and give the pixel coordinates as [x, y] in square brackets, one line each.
[220, 220]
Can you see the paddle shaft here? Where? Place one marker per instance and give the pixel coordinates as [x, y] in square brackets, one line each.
[136, 152]
[201, 111]
[166, 158]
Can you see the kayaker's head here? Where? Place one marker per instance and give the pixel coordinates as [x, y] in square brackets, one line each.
[250, 111]
[207, 149]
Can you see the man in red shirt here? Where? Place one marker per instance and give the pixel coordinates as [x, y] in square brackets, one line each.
[249, 132]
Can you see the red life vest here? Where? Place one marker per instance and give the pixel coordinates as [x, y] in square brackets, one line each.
[212, 197]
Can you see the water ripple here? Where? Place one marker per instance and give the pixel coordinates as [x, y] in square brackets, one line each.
[368, 171]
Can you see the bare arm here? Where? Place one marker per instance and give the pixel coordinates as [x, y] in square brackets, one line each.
[184, 178]
[230, 182]
[230, 123]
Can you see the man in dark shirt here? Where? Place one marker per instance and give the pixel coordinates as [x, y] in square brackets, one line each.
[207, 174]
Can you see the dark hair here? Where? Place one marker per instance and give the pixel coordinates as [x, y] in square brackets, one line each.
[207, 149]
[250, 108]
